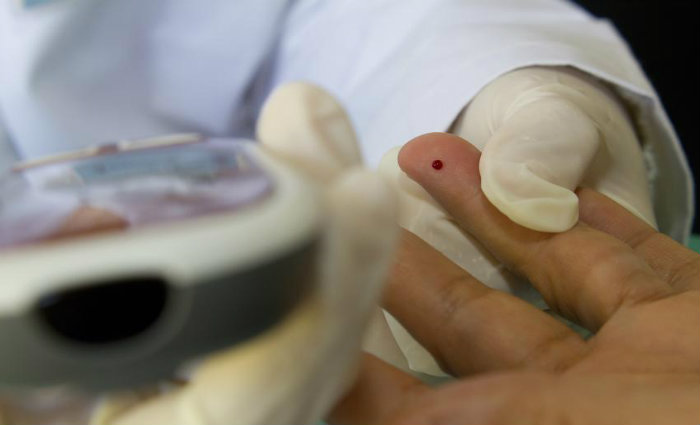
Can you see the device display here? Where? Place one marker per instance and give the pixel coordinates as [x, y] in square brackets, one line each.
[140, 185]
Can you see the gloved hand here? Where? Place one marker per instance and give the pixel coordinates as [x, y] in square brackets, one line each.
[295, 372]
[543, 132]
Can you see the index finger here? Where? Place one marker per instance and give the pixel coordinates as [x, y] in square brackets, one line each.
[583, 273]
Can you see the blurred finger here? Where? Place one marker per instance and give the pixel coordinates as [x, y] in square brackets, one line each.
[361, 238]
[584, 274]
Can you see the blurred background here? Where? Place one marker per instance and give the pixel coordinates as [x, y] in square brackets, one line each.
[665, 36]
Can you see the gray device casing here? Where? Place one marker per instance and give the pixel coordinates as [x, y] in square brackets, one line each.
[174, 287]
[194, 321]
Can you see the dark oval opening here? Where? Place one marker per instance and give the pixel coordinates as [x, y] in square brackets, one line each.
[105, 312]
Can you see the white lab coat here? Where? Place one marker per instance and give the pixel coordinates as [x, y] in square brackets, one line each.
[77, 72]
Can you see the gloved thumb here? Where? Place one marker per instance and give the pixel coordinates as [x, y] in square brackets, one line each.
[307, 127]
[533, 163]
[545, 132]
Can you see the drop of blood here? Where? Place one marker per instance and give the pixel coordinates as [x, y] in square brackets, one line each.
[437, 164]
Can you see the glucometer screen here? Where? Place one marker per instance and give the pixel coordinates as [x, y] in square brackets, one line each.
[117, 188]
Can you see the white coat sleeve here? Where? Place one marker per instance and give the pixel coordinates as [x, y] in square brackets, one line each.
[7, 151]
[407, 68]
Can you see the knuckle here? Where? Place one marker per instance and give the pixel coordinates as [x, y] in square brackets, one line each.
[618, 285]
[454, 298]
[457, 297]
[615, 276]
[686, 274]
[557, 353]
[643, 236]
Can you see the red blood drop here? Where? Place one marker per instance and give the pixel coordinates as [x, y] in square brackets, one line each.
[437, 164]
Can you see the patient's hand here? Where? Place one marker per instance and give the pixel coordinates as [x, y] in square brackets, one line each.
[543, 132]
[612, 273]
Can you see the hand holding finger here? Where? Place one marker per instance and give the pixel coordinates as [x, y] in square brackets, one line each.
[543, 132]
[601, 272]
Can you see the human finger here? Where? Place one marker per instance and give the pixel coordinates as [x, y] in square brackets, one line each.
[544, 399]
[379, 392]
[583, 273]
[674, 263]
[467, 326]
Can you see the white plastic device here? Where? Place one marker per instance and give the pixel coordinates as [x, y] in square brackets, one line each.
[221, 243]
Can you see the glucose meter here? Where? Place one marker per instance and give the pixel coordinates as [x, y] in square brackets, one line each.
[215, 241]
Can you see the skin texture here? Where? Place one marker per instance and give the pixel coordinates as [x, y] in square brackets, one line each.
[635, 288]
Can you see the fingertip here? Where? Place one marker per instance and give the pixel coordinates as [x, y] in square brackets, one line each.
[438, 154]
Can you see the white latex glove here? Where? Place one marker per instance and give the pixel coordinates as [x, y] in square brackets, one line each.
[543, 133]
[294, 373]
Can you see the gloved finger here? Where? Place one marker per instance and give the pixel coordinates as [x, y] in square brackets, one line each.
[294, 373]
[379, 392]
[363, 235]
[359, 250]
[674, 263]
[584, 274]
[532, 164]
[305, 125]
[226, 384]
[467, 326]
